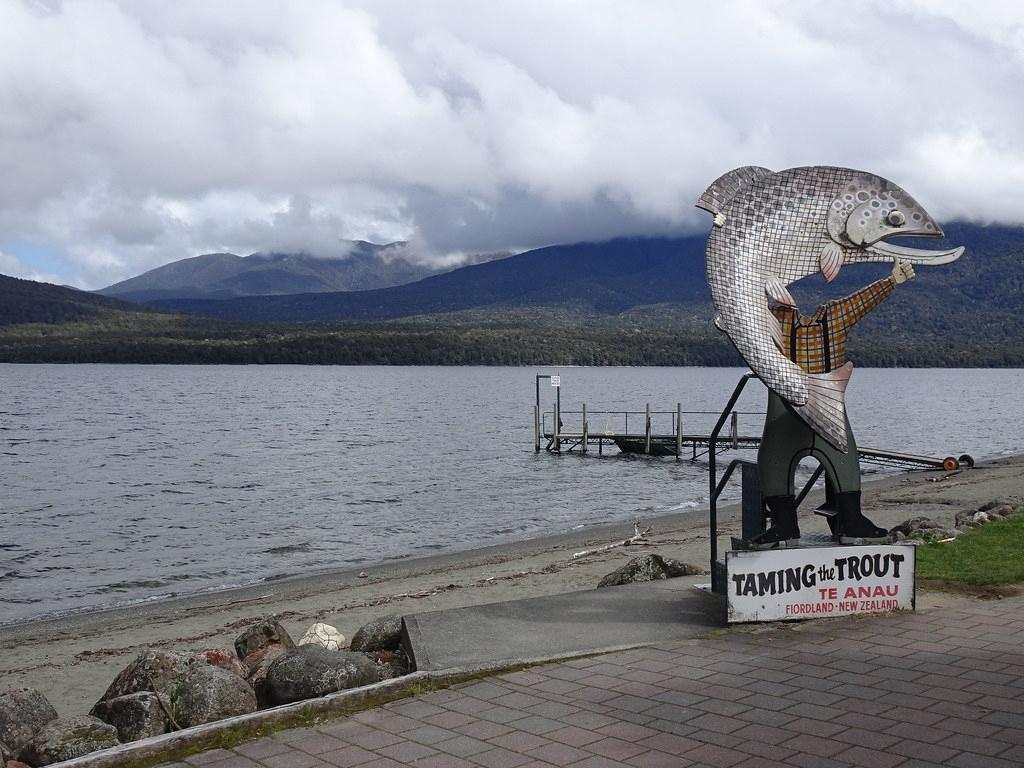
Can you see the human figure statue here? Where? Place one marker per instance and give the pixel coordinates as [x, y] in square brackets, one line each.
[817, 343]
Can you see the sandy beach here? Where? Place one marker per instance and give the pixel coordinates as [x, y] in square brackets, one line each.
[73, 659]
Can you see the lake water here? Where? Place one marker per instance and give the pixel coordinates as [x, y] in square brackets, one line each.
[128, 483]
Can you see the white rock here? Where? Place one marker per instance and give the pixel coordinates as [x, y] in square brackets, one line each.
[325, 636]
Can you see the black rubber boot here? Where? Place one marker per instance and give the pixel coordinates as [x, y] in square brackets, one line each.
[785, 532]
[853, 527]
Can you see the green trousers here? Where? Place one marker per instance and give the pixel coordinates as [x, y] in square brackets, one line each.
[787, 440]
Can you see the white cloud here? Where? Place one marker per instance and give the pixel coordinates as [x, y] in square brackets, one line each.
[137, 132]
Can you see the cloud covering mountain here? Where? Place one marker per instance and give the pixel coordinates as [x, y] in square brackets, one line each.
[139, 132]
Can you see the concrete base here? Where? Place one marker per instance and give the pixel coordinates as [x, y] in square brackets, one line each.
[567, 624]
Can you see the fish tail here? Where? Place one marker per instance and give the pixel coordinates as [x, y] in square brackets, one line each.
[825, 409]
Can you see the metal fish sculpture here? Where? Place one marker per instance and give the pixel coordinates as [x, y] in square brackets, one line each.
[770, 230]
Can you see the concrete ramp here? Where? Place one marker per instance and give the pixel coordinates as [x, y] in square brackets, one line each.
[559, 625]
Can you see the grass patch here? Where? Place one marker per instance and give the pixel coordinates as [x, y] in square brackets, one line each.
[986, 556]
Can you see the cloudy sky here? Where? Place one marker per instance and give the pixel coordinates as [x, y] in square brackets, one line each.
[136, 133]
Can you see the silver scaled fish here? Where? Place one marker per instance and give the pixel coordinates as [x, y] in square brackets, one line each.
[770, 230]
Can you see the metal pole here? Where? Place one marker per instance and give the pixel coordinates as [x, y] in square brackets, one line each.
[558, 419]
[585, 430]
[734, 428]
[679, 430]
[647, 430]
[713, 477]
[536, 428]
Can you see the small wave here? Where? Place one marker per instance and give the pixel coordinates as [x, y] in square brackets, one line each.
[682, 505]
[124, 586]
[289, 549]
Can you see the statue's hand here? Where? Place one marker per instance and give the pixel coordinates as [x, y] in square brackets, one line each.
[902, 270]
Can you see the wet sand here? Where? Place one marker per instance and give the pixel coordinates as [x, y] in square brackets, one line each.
[73, 659]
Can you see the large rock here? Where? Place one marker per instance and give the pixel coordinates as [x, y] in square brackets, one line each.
[311, 671]
[649, 567]
[257, 636]
[23, 711]
[6, 753]
[69, 737]
[383, 634]
[323, 635]
[921, 527]
[154, 671]
[223, 658]
[205, 694]
[135, 716]
[258, 664]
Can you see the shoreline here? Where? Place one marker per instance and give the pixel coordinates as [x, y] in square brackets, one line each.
[72, 658]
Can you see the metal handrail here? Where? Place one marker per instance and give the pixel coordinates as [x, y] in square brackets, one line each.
[713, 473]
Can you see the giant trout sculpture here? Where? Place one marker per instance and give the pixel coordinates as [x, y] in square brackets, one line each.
[770, 230]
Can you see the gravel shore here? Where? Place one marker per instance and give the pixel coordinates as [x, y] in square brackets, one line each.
[73, 659]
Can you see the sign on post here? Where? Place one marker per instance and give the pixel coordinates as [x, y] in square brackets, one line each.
[556, 381]
[816, 582]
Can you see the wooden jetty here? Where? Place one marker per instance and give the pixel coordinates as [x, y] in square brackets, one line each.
[664, 433]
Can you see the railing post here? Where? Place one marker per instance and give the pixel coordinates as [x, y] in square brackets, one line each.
[558, 422]
[585, 428]
[734, 430]
[536, 430]
[679, 430]
[647, 431]
[717, 585]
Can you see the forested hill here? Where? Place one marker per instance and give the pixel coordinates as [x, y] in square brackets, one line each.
[631, 302]
[607, 277]
[224, 275]
[612, 277]
[26, 301]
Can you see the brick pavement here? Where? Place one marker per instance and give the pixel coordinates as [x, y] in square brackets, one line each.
[944, 687]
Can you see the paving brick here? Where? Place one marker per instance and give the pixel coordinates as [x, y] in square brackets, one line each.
[261, 748]
[815, 745]
[500, 758]
[348, 756]
[713, 755]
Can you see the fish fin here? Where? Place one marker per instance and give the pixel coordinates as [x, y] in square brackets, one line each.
[720, 323]
[830, 259]
[725, 187]
[825, 409]
[777, 292]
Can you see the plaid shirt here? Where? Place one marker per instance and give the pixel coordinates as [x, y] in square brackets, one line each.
[817, 343]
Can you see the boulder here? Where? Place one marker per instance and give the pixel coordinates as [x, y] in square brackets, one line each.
[154, 671]
[676, 568]
[383, 634]
[1004, 506]
[257, 665]
[136, 715]
[311, 671]
[260, 634]
[390, 664]
[918, 525]
[205, 694]
[67, 738]
[973, 519]
[23, 711]
[648, 568]
[223, 658]
[6, 753]
[324, 635]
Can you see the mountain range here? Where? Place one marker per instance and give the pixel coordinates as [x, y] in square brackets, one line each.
[364, 266]
[612, 277]
[633, 301]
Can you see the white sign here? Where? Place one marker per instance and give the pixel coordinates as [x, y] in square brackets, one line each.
[813, 582]
[556, 381]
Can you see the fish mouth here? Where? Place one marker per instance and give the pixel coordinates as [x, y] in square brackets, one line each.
[916, 255]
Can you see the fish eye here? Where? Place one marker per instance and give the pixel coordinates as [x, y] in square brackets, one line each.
[896, 218]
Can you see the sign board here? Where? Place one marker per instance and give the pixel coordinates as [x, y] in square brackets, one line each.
[556, 381]
[816, 582]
